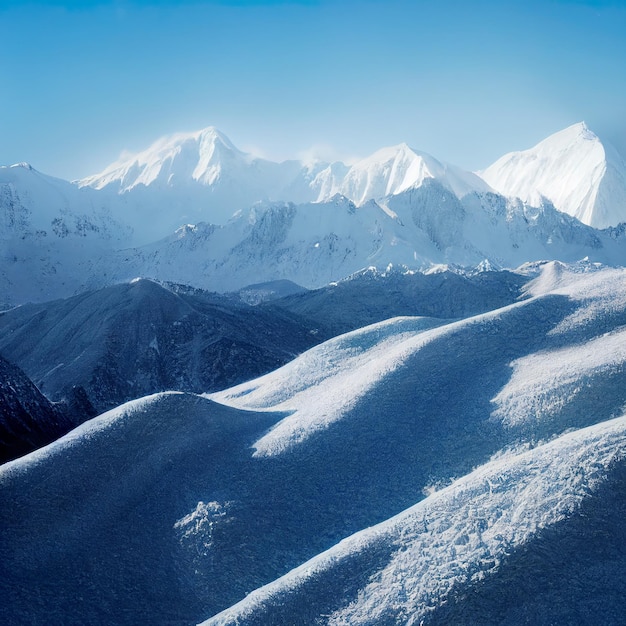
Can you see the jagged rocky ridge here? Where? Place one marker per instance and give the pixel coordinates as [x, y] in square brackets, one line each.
[371, 296]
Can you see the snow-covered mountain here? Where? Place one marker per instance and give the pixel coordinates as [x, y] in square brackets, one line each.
[461, 463]
[573, 169]
[392, 170]
[226, 179]
[40, 207]
[200, 176]
[175, 507]
[174, 202]
[51, 232]
[133, 339]
[314, 244]
[206, 156]
[203, 177]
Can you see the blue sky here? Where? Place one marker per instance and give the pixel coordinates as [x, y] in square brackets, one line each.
[465, 81]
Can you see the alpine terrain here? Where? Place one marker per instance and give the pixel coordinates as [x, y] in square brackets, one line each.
[193, 209]
[573, 169]
[236, 391]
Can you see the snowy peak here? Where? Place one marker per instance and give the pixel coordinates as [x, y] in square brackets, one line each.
[573, 169]
[395, 169]
[214, 148]
[195, 177]
[198, 156]
[23, 165]
[210, 159]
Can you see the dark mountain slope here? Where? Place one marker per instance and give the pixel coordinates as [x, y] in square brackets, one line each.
[371, 296]
[27, 419]
[137, 338]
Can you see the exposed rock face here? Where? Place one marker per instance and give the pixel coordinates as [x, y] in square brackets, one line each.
[28, 420]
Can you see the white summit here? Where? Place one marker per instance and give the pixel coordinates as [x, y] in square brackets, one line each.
[198, 176]
[573, 169]
[393, 170]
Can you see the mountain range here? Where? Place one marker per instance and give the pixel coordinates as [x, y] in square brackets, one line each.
[573, 169]
[234, 391]
[129, 340]
[194, 209]
[134, 339]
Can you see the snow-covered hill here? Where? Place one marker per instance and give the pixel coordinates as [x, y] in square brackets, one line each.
[578, 173]
[173, 508]
[141, 337]
[535, 521]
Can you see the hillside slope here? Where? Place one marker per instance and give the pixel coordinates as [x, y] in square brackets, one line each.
[172, 508]
[137, 338]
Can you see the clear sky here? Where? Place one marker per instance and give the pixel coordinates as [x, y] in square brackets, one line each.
[82, 81]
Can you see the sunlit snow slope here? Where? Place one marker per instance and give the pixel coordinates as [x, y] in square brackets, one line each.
[200, 176]
[573, 169]
[392, 170]
[406, 569]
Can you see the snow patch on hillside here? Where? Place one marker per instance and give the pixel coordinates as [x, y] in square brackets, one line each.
[545, 382]
[598, 290]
